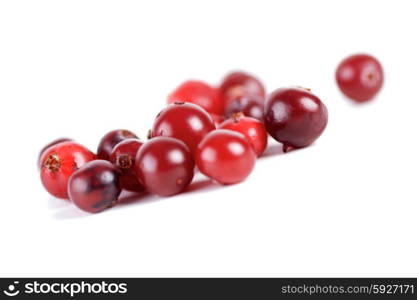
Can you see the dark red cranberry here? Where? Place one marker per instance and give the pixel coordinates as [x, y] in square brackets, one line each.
[95, 186]
[225, 156]
[253, 129]
[59, 162]
[295, 117]
[360, 77]
[123, 156]
[53, 143]
[248, 107]
[240, 84]
[199, 93]
[110, 140]
[184, 121]
[165, 166]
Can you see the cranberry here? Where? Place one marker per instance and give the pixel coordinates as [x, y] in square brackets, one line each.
[295, 117]
[225, 156]
[199, 93]
[360, 77]
[110, 140]
[185, 121]
[58, 162]
[165, 166]
[53, 143]
[95, 186]
[239, 84]
[252, 129]
[123, 156]
[248, 107]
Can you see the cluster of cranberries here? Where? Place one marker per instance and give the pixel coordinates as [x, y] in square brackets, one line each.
[220, 130]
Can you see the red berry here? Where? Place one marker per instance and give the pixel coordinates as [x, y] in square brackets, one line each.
[95, 186]
[184, 121]
[199, 93]
[165, 166]
[225, 156]
[360, 77]
[110, 140]
[248, 107]
[239, 84]
[53, 143]
[295, 117]
[252, 129]
[59, 162]
[123, 156]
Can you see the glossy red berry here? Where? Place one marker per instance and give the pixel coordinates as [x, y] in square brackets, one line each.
[225, 156]
[248, 107]
[199, 93]
[360, 77]
[95, 186]
[110, 140]
[240, 84]
[165, 166]
[59, 162]
[124, 156]
[253, 129]
[295, 117]
[184, 121]
[53, 143]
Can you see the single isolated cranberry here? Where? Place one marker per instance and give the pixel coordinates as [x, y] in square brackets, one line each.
[199, 93]
[123, 156]
[59, 162]
[95, 186]
[184, 121]
[360, 77]
[295, 117]
[253, 129]
[225, 156]
[53, 143]
[110, 140]
[165, 166]
[240, 84]
[250, 108]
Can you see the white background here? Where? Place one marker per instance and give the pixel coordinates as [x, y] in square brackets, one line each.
[344, 207]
